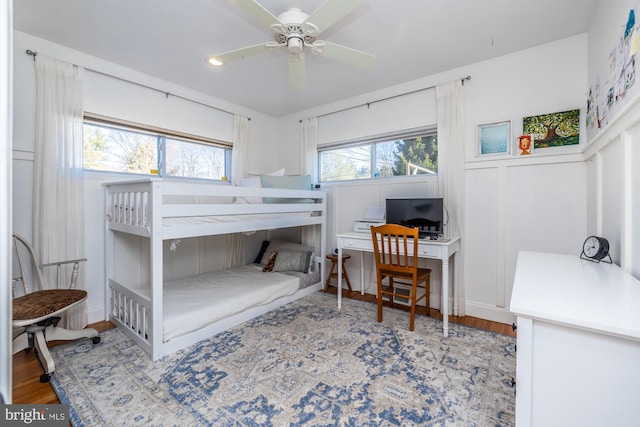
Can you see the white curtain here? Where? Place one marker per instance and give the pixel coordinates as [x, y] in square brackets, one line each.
[309, 166]
[451, 138]
[309, 148]
[58, 224]
[235, 245]
[240, 153]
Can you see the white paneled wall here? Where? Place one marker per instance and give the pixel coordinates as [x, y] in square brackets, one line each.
[632, 195]
[610, 195]
[614, 187]
[546, 211]
[535, 204]
[481, 237]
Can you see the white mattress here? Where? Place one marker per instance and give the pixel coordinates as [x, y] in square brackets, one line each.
[195, 302]
[217, 219]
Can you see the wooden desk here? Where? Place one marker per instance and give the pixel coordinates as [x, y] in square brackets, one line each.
[433, 249]
[578, 342]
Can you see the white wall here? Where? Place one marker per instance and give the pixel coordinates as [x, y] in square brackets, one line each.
[607, 55]
[511, 203]
[614, 188]
[612, 153]
[117, 98]
[6, 30]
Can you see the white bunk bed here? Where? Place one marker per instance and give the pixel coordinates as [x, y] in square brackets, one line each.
[159, 210]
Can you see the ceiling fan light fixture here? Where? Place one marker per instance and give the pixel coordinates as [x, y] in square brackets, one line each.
[298, 32]
[215, 61]
[293, 16]
[295, 44]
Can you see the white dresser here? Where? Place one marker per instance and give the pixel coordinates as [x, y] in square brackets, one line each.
[578, 354]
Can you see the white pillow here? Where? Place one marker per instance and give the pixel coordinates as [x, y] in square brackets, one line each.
[256, 182]
[279, 172]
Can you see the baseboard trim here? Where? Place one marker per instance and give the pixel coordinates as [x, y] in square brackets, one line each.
[96, 315]
[487, 312]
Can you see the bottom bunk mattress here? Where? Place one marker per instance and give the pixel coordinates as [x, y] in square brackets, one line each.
[195, 302]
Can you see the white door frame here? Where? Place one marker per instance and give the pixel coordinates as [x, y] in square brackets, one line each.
[6, 108]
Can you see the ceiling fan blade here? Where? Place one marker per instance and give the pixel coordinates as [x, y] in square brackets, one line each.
[232, 55]
[330, 12]
[297, 71]
[344, 54]
[257, 11]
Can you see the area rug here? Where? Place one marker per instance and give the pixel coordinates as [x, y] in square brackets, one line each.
[306, 364]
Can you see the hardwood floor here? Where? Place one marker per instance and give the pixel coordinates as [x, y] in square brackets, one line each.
[500, 328]
[27, 387]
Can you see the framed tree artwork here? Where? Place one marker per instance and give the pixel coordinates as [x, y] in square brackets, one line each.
[553, 129]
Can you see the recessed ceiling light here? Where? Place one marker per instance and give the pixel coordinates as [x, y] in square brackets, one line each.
[215, 61]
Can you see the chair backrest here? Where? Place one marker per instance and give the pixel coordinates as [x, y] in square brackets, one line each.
[26, 276]
[28, 271]
[395, 248]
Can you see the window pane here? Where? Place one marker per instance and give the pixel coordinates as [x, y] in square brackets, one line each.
[117, 150]
[396, 156]
[410, 156]
[194, 160]
[346, 163]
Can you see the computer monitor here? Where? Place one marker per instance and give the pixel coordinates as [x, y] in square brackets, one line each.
[425, 213]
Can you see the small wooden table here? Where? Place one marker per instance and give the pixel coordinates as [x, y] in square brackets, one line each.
[333, 272]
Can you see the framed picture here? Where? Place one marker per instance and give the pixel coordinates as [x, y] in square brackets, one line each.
[553, 129]
[524, 145]
[494, 139]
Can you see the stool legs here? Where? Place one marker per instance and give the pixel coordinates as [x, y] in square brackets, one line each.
[326, 285]
[333, 273]
[345, 275]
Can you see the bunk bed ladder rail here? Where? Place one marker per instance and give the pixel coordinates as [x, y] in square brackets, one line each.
[132, 311]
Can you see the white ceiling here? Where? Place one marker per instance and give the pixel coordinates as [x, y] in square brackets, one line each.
[172, 39]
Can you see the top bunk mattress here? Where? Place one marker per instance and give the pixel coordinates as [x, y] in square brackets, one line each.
[195, 302]
[221, 219]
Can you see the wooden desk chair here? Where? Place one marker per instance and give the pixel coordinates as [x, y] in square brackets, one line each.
[395, 248]
[37, 309]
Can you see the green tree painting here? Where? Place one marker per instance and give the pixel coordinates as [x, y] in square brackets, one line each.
[554, 129]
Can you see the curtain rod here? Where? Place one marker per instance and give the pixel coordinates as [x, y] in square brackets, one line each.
[384, 99]
[167, 94]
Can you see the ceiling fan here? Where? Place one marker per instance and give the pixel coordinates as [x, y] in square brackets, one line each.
[296, 31]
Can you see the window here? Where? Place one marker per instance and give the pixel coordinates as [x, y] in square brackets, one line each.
[409, 153]
[117, 148]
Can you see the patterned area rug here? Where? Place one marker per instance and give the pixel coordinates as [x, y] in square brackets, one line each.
[306, 363]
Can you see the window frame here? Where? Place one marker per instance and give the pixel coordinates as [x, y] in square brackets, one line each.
[161, 135]
[373, 141]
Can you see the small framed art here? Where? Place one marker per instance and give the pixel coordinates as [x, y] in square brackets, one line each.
[524, 145]
[494, 139]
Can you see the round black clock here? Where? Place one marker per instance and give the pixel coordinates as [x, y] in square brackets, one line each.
[595, 249]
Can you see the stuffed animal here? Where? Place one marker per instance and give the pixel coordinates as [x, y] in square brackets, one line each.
[271, 262]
